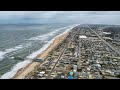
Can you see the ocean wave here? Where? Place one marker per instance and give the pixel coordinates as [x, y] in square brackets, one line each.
[24, 63]
[3, 53]
[15, 68]
[13, 50]
[46, 36]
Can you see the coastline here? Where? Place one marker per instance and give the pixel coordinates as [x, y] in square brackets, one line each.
[33, 65]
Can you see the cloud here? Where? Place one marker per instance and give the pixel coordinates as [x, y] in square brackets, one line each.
[104, 17]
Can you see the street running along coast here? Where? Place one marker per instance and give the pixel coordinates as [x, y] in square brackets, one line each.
[22, 73]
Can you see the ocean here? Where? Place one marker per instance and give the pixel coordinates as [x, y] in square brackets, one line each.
[20, 43]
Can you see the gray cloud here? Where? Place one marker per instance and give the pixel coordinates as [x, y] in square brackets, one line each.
[104, 17]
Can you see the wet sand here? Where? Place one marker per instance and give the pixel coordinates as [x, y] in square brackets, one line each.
[33, 65]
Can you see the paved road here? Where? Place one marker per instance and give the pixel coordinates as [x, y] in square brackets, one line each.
[56, 62]
[104, 41]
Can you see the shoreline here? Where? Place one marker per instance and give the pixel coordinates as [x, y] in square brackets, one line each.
[33, 65]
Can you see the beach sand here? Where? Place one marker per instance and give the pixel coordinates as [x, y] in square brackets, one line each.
[33, 65]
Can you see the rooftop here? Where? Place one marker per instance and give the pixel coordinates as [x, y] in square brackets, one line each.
[107, 32]
[82, 36]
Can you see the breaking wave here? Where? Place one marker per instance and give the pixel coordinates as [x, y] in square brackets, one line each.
[46, 36]
[3, 53]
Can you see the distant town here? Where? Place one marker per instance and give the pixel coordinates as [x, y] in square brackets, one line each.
[88, 51]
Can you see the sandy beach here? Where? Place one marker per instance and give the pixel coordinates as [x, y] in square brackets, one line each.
[33, 65]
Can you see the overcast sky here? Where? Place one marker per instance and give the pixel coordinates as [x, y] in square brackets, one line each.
[103, 17]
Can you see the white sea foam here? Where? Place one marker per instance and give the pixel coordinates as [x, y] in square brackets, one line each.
[15, 68]
[46, 36]
[23, 64]
[3, 53]
[13, 49]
